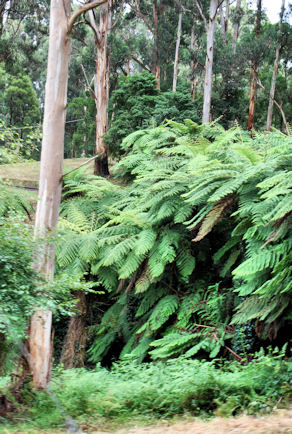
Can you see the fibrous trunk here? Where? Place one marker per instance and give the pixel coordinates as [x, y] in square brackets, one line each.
[50, 182]
[73, 351]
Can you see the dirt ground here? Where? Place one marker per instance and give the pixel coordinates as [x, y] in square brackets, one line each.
[279, 422]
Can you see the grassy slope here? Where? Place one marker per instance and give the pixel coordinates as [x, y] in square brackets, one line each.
[27, 174]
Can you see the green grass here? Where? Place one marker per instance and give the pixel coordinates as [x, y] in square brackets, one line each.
[27, 174]
[153, 391]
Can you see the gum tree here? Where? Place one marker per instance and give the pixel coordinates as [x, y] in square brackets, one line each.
[50, 185]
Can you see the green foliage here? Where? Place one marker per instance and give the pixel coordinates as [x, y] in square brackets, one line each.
[194, 231]
[137, 103]
[14, 148]
[20, 291]
[160, 390]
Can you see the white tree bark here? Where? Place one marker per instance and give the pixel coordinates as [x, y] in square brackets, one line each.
[50, 180]
[175, 66]
[274, 76]
[211, 27]
[50, 185]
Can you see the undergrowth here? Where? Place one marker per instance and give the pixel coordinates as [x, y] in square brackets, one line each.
[161, 389]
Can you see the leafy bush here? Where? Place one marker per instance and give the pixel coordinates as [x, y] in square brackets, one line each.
[19, 291]
[164, 389]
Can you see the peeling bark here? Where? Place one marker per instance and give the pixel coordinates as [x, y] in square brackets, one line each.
[101, 86]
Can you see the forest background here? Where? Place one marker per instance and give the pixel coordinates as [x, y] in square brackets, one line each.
[180, 245]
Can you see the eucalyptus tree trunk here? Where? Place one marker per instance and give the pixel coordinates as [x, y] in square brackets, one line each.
[193, 64]
[101, 85]
[211, 27]
[224, 19]
[254, 71]
[50, 184]
[236, 25]
[175, 67]
[275, 71]
[156, 53]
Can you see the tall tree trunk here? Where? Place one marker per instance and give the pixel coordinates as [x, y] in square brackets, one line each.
[193, 64]
[50, 185]
[254, 71]
[211, 27]
[156, 54]
[101, 87]
[275, 71]
[236, 25]
[253, 85]
[175, 67]
[224, 19]
[226, 15]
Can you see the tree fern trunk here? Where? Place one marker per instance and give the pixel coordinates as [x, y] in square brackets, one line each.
[73, 350]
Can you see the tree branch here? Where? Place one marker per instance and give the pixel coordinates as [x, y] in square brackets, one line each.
[279, 107]
[140, 62]
[81, 165]
[200, 9]
[81, 10]
[141, 15]
[92, 24]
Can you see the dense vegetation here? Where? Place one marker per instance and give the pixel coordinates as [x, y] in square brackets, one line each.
[132, 393]
[193, 242]
[172, 287]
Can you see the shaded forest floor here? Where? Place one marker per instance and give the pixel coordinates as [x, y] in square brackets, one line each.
[278, 422]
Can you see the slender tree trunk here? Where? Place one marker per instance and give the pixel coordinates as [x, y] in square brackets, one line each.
[253, 85]
[275, 71]
[222, 22]
[226, 15]
[101, 88]
[209, 61]
[50, 185]
[193, 64]
[156, 54]
[254, 71]
[175, 67]
[236, 26]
